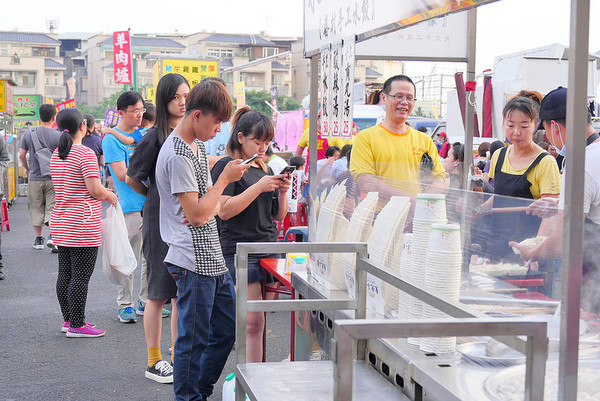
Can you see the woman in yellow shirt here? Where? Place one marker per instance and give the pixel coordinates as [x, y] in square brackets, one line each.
[522, 170]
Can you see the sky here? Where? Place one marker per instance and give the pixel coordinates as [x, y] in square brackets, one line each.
[505, 26]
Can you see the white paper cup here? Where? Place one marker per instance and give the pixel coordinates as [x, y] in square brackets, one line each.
[430, 207]
[445, 238]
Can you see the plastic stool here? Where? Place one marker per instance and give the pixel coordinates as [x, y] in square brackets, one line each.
[299, 233]
[4, 214]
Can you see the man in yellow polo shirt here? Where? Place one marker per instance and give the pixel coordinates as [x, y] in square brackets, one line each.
[386, 158]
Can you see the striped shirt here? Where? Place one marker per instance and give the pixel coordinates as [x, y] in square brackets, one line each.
[76, 218]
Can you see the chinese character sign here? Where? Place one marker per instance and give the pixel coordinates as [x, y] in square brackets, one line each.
[347, 87]
[6, 97]
[240, 94]
[27, 107]
[65, 104]
[325, 89]
[193, 70]
[336, 86]
[112, 118]
[122, 58]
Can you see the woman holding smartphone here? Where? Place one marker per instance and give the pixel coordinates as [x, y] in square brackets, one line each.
[250, 207]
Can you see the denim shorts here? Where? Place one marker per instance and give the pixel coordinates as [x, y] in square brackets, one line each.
[255, 273]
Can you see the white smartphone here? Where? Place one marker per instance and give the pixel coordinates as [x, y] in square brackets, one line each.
[249, 160]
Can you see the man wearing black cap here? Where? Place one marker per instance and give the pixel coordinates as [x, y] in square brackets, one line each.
[553, 111]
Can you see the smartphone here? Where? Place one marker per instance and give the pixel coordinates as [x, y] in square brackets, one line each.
[288, 170]
[249, 160]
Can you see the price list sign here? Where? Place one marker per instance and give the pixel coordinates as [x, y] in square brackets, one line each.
[336, 93]
[347, 86]
[325, 89]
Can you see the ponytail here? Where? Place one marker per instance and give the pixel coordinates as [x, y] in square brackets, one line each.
[68, 121]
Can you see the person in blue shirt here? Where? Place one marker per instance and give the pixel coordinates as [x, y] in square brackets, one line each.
[130, 106]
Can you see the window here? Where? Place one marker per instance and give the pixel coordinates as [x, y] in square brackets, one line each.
[270, 51]
[56, 78]
[15, 59]
[108, 54]
[4, 50]
[221, 53]
[47, 79]
[28, 79]
[43, 51]
[277, 79]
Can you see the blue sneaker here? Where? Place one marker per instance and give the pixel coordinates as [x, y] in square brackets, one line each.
[141, 306]
[127, 315]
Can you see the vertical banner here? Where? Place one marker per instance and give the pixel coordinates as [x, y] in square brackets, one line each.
[7, 93]
[348, 53]
[336, 89]
[71, 86]
[274, 103]
[240, 94]
[325, 90]
[122, 58]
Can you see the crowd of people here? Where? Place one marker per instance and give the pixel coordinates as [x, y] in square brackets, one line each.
[197, 207]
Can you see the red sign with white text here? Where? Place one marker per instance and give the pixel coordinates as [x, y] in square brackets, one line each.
[122, 58]
[65, 105]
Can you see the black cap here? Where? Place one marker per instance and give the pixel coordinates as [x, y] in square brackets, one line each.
[553, 106]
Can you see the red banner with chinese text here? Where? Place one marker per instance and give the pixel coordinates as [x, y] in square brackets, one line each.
[122, 58]
[65, 105]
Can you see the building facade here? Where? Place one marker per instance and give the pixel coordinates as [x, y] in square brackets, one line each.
[33, 61]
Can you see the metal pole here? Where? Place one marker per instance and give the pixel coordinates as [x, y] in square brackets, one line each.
[470, 115]
[312, 142]
[573, 213]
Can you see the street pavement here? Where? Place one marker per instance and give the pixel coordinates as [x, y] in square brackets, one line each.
[38, 362]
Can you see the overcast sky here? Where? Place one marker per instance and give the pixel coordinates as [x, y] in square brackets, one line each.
[504, 27]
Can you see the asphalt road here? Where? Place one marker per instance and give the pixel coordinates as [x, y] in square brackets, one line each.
[38, 362]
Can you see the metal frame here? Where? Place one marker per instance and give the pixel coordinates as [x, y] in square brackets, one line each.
[348, 331]
[243, 306]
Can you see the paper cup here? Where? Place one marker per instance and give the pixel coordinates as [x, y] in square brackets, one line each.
[430, 207]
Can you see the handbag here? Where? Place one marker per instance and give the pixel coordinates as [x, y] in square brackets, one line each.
[42, 154]
[118, 259]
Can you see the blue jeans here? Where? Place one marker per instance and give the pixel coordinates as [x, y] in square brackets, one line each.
[206, 331]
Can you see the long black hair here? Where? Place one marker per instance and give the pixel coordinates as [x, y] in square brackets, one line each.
[165, 92]
[252, 124]
[68, 121]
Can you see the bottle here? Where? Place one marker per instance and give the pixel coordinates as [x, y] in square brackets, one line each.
[228, 393]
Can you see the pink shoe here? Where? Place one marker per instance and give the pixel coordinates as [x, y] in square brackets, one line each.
[66, 325]
[85, 331]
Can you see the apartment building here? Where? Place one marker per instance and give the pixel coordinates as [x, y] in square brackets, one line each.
[33, 61]
[240, 55]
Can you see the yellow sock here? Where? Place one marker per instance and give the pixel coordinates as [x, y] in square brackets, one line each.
[153, 355]
[172, 351]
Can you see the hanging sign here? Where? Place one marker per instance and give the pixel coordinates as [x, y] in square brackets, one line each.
[347, 87]
[122, 58]
[325, 85]
[336, 90]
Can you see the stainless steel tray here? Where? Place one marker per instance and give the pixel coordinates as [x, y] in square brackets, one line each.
[475, 352]
[495, 385]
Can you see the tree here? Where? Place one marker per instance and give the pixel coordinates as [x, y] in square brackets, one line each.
[256, 101]
[99, 110]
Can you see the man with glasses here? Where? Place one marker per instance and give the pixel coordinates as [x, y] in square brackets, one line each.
[130, 106]
[387, 158]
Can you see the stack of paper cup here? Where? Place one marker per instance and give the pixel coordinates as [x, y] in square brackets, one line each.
[429, 209]
[442, 277]
[405, 267]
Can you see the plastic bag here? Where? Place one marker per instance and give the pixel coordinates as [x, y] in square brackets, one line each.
[118, 259]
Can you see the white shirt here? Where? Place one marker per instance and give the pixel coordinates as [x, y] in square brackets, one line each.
[277, 164]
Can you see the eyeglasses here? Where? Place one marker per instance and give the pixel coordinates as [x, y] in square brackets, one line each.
[400, 98]
[137, 112]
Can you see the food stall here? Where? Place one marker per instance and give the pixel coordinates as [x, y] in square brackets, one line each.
[422, 292]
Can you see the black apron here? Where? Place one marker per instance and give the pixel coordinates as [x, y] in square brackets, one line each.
[514, 226]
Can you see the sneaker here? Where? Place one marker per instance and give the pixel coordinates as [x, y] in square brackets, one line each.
[66, 325]
[2, 275]
[85, 331]
[141, 306]
[161, 372]
[127, 315]
[38, 243]
[50, 244]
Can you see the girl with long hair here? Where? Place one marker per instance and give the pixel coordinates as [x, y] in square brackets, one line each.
[75, 222]
[171, 93]
[250, 208]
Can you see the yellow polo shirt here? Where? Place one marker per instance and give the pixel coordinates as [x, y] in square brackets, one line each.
[397, 157]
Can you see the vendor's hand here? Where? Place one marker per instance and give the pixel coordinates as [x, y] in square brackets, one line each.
[528, 254]
[544, 207]
[285, 182]
[234, 170]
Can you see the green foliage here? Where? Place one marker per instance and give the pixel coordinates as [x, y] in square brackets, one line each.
[99, 110]
[420, 113]
[256, 100]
